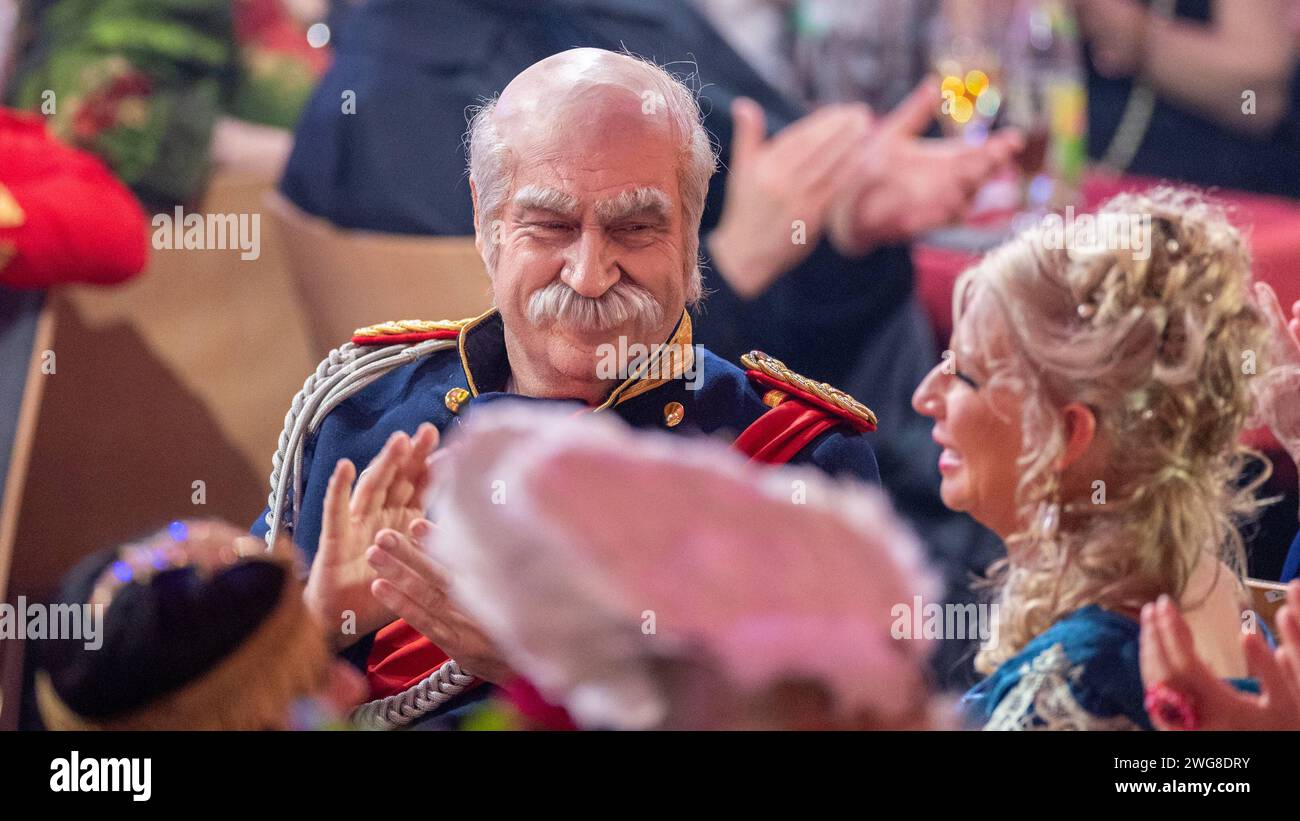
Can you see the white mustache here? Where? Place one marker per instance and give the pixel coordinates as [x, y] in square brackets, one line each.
[616, 307]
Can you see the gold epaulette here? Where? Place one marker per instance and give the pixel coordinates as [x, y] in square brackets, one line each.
[776, 372]
[406, 327]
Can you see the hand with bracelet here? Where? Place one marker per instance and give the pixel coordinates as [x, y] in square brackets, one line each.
[1182, 693]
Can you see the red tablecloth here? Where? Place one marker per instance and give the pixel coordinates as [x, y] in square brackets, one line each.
[1272, 225]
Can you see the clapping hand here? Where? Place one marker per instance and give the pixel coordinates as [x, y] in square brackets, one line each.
[778, 186]
[411, 584]
[904, 185]
[389, 495]
[1183, 693]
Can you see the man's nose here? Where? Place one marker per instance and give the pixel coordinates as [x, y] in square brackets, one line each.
[589, 269]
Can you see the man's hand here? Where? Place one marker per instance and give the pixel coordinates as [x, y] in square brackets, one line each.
[412, 586]
[775, 183]
[903, 185]
[389, 495]
[1168, 657]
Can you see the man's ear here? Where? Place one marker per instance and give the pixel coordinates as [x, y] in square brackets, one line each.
[1080, 430]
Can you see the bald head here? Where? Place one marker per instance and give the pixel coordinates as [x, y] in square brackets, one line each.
[586, 81]
[588, 91]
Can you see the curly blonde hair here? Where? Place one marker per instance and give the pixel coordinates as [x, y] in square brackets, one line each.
[1160, 342]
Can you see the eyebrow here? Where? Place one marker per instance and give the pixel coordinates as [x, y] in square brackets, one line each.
[541, 198]
[644, 201]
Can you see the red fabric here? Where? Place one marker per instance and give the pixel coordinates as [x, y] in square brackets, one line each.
[537, 712]
[1271, 223]
[79, 224]
[776, 436]
[405, 339]
[400, 658]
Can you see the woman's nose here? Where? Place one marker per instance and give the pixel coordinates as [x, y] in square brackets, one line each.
[926, 400]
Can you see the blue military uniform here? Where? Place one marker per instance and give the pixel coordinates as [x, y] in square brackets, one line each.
[443, 386]
[396, 376]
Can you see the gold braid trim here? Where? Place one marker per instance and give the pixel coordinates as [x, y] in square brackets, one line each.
[776, 369]
[253, 688]
[411, 326]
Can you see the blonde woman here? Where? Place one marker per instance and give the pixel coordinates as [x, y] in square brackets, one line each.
[1089, 413]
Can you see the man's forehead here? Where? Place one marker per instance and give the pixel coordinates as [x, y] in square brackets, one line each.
[574, 130]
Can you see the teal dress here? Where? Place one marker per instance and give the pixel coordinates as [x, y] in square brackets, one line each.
[1081, 673]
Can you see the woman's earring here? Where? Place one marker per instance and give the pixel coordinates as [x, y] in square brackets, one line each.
[1049, 511]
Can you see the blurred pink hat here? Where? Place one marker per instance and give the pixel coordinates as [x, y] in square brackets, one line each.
[595, 555]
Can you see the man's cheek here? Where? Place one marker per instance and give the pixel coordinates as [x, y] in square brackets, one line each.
[520, 274]
[658, 268]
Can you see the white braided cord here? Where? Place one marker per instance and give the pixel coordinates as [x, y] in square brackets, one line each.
[340, 375]
[346, 371]
[441, 686]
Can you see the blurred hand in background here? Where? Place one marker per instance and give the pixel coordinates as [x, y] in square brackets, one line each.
[903, 185]
[780, 190]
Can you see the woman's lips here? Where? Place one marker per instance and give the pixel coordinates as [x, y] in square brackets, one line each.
[949, 459]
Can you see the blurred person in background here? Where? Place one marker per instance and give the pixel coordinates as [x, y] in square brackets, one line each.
[64, 217]
[803, 225]
[201, 628]
[1203, 91]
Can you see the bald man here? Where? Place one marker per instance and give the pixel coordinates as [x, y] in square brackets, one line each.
[588, 177]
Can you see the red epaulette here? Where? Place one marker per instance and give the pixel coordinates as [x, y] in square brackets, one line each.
[801, 410]
[408, 331]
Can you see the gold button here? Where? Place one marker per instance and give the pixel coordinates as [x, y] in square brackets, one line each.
[774, 397]
[673, 413]
[455, 398]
